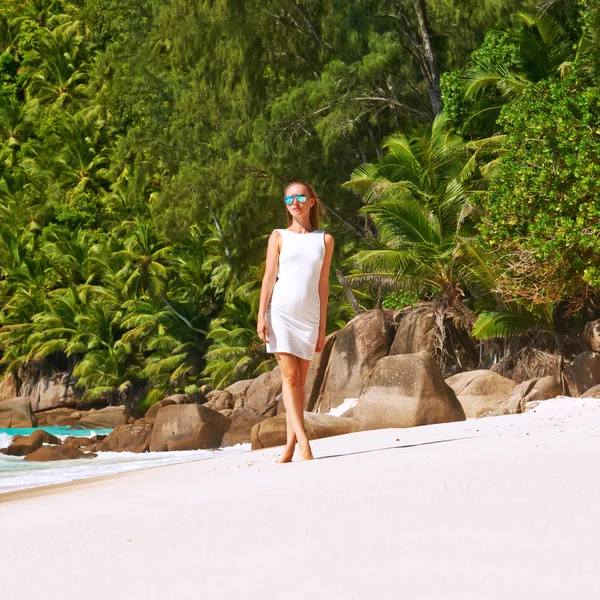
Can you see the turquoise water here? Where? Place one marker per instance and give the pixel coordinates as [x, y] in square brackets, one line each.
[17, 474]
[57, 431]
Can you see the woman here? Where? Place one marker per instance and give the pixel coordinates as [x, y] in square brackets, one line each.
[293, 304]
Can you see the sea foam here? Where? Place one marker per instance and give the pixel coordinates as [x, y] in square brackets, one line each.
[17, 474]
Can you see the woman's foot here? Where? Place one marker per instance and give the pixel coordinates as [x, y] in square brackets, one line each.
[306, 452]
[287, 455]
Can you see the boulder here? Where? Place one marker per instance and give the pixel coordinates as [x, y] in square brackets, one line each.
[104, 418]
[481, 391]
[219, 400]
[406, 390]
[316, 373]
[261, 393]
[168, 401]
[583, 373]
[62, 417]
[358, 346]
[417, 331]
[593, 392]
[591, 333]
[534, 390]
[51, 391]
[242, 421]
[238, 391]
[78, 441]
[49, 453]
[16, 412]
[186, 398]
[187, 427]
[22, 445]
[151, 413]
[495, 412]
[273, 431]
[127, 438]
[8, 387]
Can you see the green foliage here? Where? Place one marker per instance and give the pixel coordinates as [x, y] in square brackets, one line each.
[507, 324]
[398, 300]
[418, 195]
[144, 146]
[535, 47]
[542, 213]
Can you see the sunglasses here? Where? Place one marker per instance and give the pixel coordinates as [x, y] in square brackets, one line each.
[300, 197]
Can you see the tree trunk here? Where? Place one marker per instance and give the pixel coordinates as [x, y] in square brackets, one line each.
[433, 72]
[348, 291]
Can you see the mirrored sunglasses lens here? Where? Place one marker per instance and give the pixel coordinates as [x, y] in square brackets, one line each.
[289, 200]
[301, 198]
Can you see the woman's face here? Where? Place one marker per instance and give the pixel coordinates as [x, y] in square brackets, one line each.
[298, 208]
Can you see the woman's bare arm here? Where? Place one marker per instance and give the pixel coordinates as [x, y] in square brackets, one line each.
[324, 290]
[268, 283]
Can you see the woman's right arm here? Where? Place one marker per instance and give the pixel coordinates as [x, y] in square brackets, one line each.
[268, 283]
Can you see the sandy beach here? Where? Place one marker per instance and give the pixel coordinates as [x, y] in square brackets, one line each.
[489, 508]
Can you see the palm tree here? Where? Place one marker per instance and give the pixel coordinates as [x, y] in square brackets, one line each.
[236, 351]
[83, 161]
[9, 31]
[419, 197]
[145, 257]
[15, 127]
[535, 48]
[59, 76]
[111, 368]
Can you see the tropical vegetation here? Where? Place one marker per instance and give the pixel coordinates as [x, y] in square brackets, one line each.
[144, 146]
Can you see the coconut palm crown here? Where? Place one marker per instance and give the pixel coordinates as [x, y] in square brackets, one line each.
[419, 197]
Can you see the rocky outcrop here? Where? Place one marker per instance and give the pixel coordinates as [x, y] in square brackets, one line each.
[151, 413]
[242, 421]
[80, 442]
[481, 391]
[22, 445]
[262, 392]
[583, 373]
[238, 391]
[219, 400]
[52, 391]
[61, 417]
[49, 453]
[316, 373]
[127, 438]
[593, 392]
[534, 390]
[16, 412]
[8, 387]
[417, 331]
[273, 432]
[406, 390]
[591, 334]
[104, 418]
[187, 427]
[357, 348]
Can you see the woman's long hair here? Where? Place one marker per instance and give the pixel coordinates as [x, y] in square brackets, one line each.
[315, 209]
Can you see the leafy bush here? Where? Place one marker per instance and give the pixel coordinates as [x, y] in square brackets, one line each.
[543, 210]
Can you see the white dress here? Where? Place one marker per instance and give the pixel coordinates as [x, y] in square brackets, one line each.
[293, 313]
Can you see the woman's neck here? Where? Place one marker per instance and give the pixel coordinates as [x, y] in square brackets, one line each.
[301, 226]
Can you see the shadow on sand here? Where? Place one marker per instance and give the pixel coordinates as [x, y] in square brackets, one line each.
[403, 446]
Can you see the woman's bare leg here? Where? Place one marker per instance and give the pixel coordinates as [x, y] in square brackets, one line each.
[288, 453]
[293, 376]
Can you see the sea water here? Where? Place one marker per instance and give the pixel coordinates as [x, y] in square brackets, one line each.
[17, 474]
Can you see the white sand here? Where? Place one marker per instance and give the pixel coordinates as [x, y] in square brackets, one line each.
[503, 507]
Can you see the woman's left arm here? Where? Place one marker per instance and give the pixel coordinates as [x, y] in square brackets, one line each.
[324, 291]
